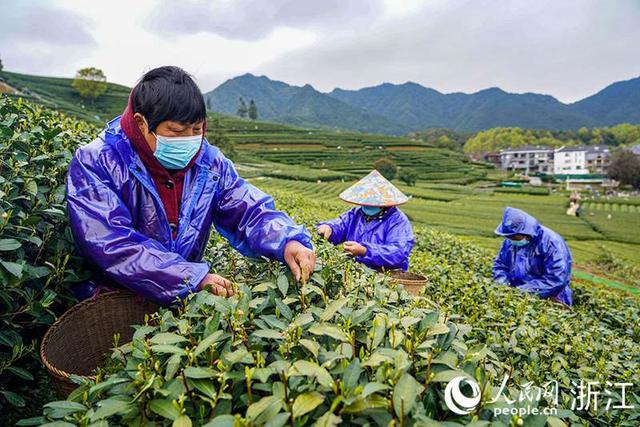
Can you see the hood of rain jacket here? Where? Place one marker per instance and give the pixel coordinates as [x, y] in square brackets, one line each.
[542, 267]
[119, 223]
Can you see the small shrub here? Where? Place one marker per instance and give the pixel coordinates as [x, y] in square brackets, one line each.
[408, 177]
[386, 167]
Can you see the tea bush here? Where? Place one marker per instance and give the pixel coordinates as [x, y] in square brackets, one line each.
[345, 347]
[342, 348]
[530, 339]
[36, 266]
[537, 340]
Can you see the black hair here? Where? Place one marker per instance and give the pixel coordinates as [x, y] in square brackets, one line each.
[168, 93]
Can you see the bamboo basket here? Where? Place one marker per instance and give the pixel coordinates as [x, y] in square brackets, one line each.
[413, 283]
[78, 341]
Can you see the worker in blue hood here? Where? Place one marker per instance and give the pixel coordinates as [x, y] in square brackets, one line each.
[144, 196]
[376, 233]
[533, 258]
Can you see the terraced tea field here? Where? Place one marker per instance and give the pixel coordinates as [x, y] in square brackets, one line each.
[610, 207]
[346, 152]
[616, 200]
[473, 213]
[57, 93]
[618, 226]
[304, 353]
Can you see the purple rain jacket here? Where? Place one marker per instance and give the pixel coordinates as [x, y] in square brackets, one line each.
[542, 267]
[388, 240]
[119, 224]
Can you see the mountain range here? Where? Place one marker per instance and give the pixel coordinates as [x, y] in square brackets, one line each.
[401, 108]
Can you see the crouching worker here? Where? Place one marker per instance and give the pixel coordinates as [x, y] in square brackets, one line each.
[376, 232]
[532, 257]
[144, 195]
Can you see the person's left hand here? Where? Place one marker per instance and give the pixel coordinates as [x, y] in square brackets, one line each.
[354, 248]
[300, 259]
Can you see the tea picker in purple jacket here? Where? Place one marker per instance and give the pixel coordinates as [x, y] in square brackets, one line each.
[376, 232]
[533, 258]
[144, 196]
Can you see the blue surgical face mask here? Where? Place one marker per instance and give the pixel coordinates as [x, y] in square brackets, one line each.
[175, 152]
[371, 210]
[519, 243]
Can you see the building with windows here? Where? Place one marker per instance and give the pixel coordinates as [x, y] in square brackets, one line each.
[570, 161]
[598, 158]
[527, 159]
[494, 158]
[581, 159]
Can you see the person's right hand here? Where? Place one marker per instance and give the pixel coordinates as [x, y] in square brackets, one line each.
[324, 230]
[217, 284]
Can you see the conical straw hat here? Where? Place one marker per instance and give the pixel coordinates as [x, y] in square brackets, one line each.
[374, 190]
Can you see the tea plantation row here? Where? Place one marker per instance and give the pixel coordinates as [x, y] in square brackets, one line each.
[348, 348]
[475, 212]
[345, 151]
[345, 347]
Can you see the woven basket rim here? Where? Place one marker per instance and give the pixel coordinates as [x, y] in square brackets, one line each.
[411, 282]
[417, 280]
[81, 305]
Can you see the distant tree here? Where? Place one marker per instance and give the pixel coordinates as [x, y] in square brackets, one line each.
[625, 167]
[217, 137]
[444, 138]
[243, 111]
[625, 134]
[445, 142]
[498, 138]
[386, 167]
[1, 66]
[90, 83]
[584, 135]
[408, 177]
[253, 110]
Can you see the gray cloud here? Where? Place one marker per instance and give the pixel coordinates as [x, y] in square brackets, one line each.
[40, 38]
[255, 19]
[568, 49]
[41, 22]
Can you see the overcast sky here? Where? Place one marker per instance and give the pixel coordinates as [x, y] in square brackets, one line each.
[566, 48]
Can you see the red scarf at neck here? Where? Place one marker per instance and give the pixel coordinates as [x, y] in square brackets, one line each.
[169, 184]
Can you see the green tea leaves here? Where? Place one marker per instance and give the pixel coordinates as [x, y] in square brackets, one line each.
[164, 408]
[199, 372]
[166, 338]
[329, 331]
[306, 403]
[405, 394]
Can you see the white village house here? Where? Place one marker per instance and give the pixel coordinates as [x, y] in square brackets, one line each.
[581, 159]
[573, 160]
